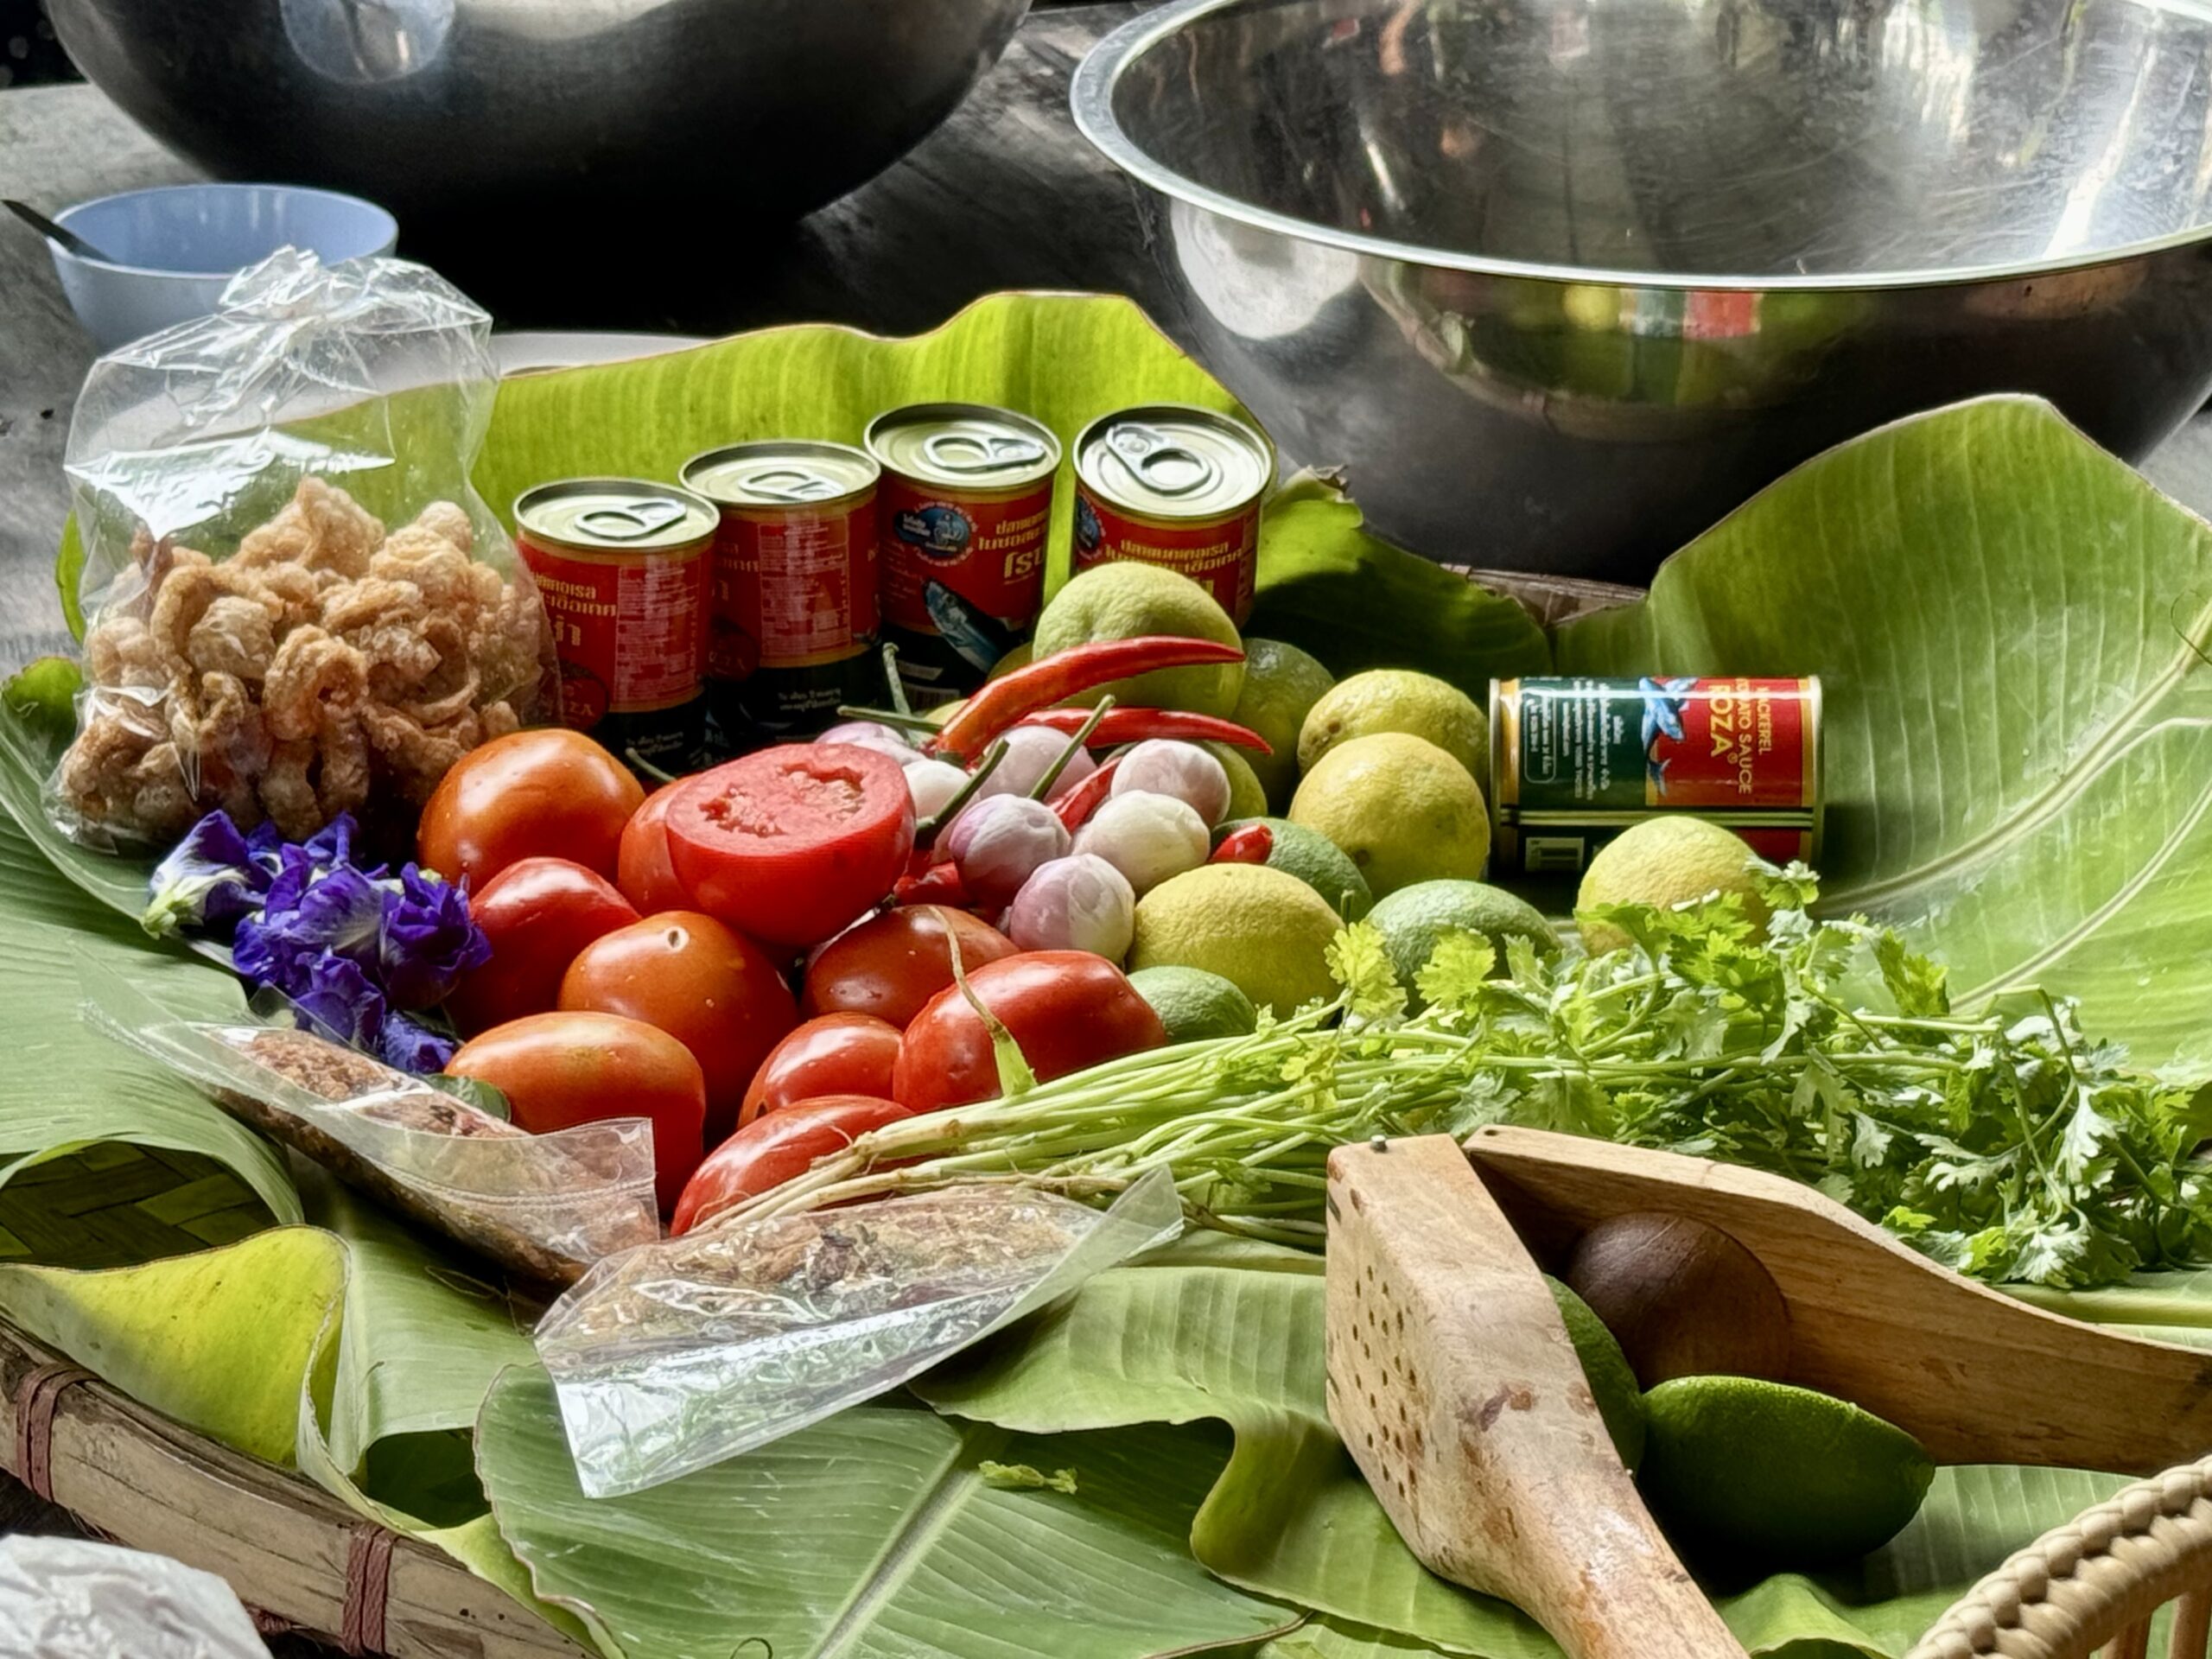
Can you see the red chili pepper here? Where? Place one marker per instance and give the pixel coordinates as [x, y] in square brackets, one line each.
[1134, 725]
[938, 884]
[1002, 702]
[1076, 806]
[1249, 845]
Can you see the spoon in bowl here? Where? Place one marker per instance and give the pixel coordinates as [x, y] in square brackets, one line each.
[45, 227]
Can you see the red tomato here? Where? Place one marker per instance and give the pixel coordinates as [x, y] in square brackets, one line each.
[790, 844]
[642, 868]
[559, 1070]
[1066, 1008]
[550, 791]
[537, 913]
[833, 1054]
[770, 1150]
[891, 965]
[713, 990]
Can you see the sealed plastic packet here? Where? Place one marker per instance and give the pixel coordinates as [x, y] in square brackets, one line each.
[543, 1206]
[298, 604]
[675, 1356]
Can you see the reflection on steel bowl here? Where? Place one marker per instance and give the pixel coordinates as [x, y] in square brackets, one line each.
[747, 109]
[1561, 282]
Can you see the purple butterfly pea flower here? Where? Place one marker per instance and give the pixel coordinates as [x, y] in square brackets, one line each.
[338, 999]
[406, 1044]
[340, 911]
[211, 878]
[427, 941]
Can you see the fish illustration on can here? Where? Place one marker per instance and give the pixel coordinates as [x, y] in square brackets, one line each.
[1662, 717]
[979, 639]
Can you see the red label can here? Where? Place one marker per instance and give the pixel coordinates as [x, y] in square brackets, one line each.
[621, 566]
[964, 514]
[1176, 487]
[794, 615]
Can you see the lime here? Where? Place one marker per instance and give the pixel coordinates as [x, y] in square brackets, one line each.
[1016, 656]
[1193, 1003]
[1741, 1469]
[1613, 1384]
[1413, 918]
[1264, 931]
[1246, 799]
[1282, 685]
[1399, 700]
[944, 711]
[1316, 860]
[1127, 600]
[1404, 810]
[1662, 862]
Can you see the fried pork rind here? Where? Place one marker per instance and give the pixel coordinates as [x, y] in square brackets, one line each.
[324, 666]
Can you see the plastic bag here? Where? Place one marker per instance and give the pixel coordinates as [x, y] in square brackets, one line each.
[544, 1206]
[67, 1599]
[699, 1348]
[299, 605]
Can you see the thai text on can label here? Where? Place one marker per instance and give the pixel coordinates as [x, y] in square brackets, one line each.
[1176, 487]
[621, 566]
[1573, 761]
[965, 512]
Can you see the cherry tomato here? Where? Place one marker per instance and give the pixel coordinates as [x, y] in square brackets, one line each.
[642, 869]
[831, 1054]
[1067, 1010]
[712, 990]
[770, 1149]
[550, 791]
[560, 1070]
[537, 913]
[892, 964]
[789, 844]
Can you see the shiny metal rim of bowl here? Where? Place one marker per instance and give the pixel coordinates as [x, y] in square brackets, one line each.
[1091, 98]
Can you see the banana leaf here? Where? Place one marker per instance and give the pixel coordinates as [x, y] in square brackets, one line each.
[2011, 627]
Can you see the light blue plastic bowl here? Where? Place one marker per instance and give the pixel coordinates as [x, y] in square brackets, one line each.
[176, 246]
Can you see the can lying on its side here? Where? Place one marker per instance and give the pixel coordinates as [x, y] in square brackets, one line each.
[793, 626]
[1574, 761]
[1176, 487]
[964, 514]
[621, 564]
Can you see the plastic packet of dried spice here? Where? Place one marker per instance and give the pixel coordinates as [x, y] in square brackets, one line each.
[298, 605]
[542, 1207]
[671, 1357]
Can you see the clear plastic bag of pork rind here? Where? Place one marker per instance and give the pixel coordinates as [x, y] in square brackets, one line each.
[672, 1358]
[543, 1206]
[297, 604]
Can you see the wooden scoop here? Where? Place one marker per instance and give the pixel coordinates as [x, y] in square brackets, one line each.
[1453, 1381]
[1978, 1376]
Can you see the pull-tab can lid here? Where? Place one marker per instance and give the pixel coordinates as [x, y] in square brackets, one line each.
[781, 473]
[614, 515]
[1168, 461]
[964, 446]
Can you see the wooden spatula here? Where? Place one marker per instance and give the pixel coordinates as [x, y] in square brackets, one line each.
[1454, 1382]
[1977, 1376]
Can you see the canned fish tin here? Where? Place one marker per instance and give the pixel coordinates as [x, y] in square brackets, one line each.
[1573, 762]
[794, 625]
[621, 564]
[963, 518]
[1176, 487]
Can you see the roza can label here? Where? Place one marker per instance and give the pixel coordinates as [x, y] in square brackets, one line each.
[1176, 487]
[965, 510]
[621, 566]
[1574, 761]
[794, 613]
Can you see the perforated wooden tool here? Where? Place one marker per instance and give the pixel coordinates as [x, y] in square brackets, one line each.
[1453, 1381]
[1977, 1376]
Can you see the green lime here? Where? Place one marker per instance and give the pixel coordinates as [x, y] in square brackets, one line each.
[1017, 657]
[1264, 931]
[1413, 918]
[1282, 685]
[1246, 799]
[1399, 700]
[1316, 860]
[1127, 601]
[1613, 1383]
[1665, 861]
[1193, 1003]
[1404, 810]
[1738, 1469]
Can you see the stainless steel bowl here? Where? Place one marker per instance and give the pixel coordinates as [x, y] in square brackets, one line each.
[1561, 282]
[607, 113]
